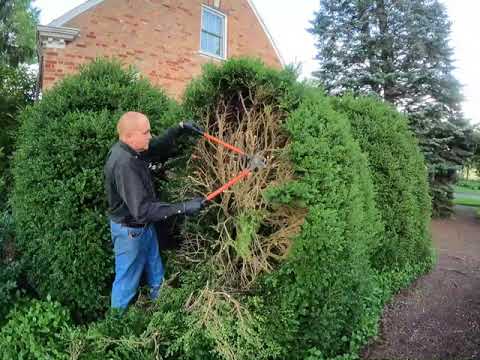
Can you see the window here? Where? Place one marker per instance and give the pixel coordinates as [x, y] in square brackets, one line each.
[213, 36]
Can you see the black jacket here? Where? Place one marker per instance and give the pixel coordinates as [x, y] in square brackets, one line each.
[129, 184]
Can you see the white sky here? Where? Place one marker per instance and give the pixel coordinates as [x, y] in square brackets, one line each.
[287, 21]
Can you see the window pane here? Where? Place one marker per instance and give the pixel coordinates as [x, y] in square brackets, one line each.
[212, 44]
[213, 33]
[212, 23]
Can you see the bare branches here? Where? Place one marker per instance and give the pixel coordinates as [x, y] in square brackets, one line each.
[251, 237]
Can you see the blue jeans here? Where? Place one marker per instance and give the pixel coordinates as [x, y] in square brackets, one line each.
[136, 251]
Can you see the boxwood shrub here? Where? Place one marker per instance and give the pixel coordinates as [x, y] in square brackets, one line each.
[36, 330]
[249, 77]
[323, 298]
[58, 200]
[400, 179]
[10, 266]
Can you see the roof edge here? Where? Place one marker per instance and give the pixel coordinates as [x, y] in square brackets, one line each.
[265, 29]
[59, 22]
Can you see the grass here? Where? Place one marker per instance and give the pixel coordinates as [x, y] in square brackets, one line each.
[467, 192]
[463, 189]
[467, 201]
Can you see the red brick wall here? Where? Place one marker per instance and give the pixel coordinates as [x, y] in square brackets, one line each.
[160, 37]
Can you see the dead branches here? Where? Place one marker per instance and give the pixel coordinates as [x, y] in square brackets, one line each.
[252, 237]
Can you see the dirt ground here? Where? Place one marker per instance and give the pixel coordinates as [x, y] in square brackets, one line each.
[438, 317]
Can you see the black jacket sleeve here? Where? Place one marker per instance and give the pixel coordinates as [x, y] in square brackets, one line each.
[161, 148]
[133, 191]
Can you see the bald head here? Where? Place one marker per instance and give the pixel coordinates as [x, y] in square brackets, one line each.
[129, 122]
[134, 130]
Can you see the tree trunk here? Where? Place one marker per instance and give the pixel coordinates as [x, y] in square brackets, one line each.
[389, 93]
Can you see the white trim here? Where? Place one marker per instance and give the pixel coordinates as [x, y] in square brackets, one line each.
[55, 37]
[58, 32]
[225, 33]
[265, 29]
[216, 57]
[74, 12]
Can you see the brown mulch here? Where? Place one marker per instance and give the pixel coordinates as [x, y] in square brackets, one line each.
[438, 316]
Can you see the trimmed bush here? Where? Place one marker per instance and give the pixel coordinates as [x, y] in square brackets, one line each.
[245, 105]
[240, 237]
[324, 295]
[278, 267]
[258, 85]
[58, 200]
[400, 179]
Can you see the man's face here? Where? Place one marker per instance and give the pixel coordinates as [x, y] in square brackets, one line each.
[140, 137]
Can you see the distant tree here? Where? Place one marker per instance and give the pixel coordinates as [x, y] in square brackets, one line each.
[18, 19]
[474, 162]
[17, 89]
[17, 31]
[399, 50]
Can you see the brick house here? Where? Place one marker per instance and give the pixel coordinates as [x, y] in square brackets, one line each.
[167, 40]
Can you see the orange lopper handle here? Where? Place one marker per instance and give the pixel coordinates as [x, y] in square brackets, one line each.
[232, 182]
[218, 141]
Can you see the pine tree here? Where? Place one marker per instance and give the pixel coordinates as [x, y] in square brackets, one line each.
[399, 50]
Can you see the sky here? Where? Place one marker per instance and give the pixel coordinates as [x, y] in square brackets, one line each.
[287, 21]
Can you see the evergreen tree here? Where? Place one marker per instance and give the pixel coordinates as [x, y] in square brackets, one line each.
[18, 19]
[17, 31]
[399, 50]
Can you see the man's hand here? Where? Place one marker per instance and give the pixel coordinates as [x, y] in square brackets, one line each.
[191, 127]
[193, 206]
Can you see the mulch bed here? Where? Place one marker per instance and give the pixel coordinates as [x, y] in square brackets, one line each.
[438, 316]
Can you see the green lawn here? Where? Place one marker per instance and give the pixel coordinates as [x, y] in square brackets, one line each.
[464, 200]
[462, 189]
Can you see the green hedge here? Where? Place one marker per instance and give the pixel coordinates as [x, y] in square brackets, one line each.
[38, 330]
[325, 303]
[10, 267]
[400, 179]
[59, 203]
[249, 77]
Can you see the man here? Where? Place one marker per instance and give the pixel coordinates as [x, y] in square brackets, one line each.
[133, 207]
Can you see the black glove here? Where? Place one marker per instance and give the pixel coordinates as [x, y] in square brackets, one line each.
[193, 206]
[191, 127]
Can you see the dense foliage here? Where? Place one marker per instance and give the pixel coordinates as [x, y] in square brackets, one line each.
[58, 200]
[325, 290]
[10, 267]
[246, 77]
[17, 31]
[35, 331]
[399, 177]
[17, 90]
[17, 81]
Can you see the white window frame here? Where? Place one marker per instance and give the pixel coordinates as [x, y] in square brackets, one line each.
[225, 34]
